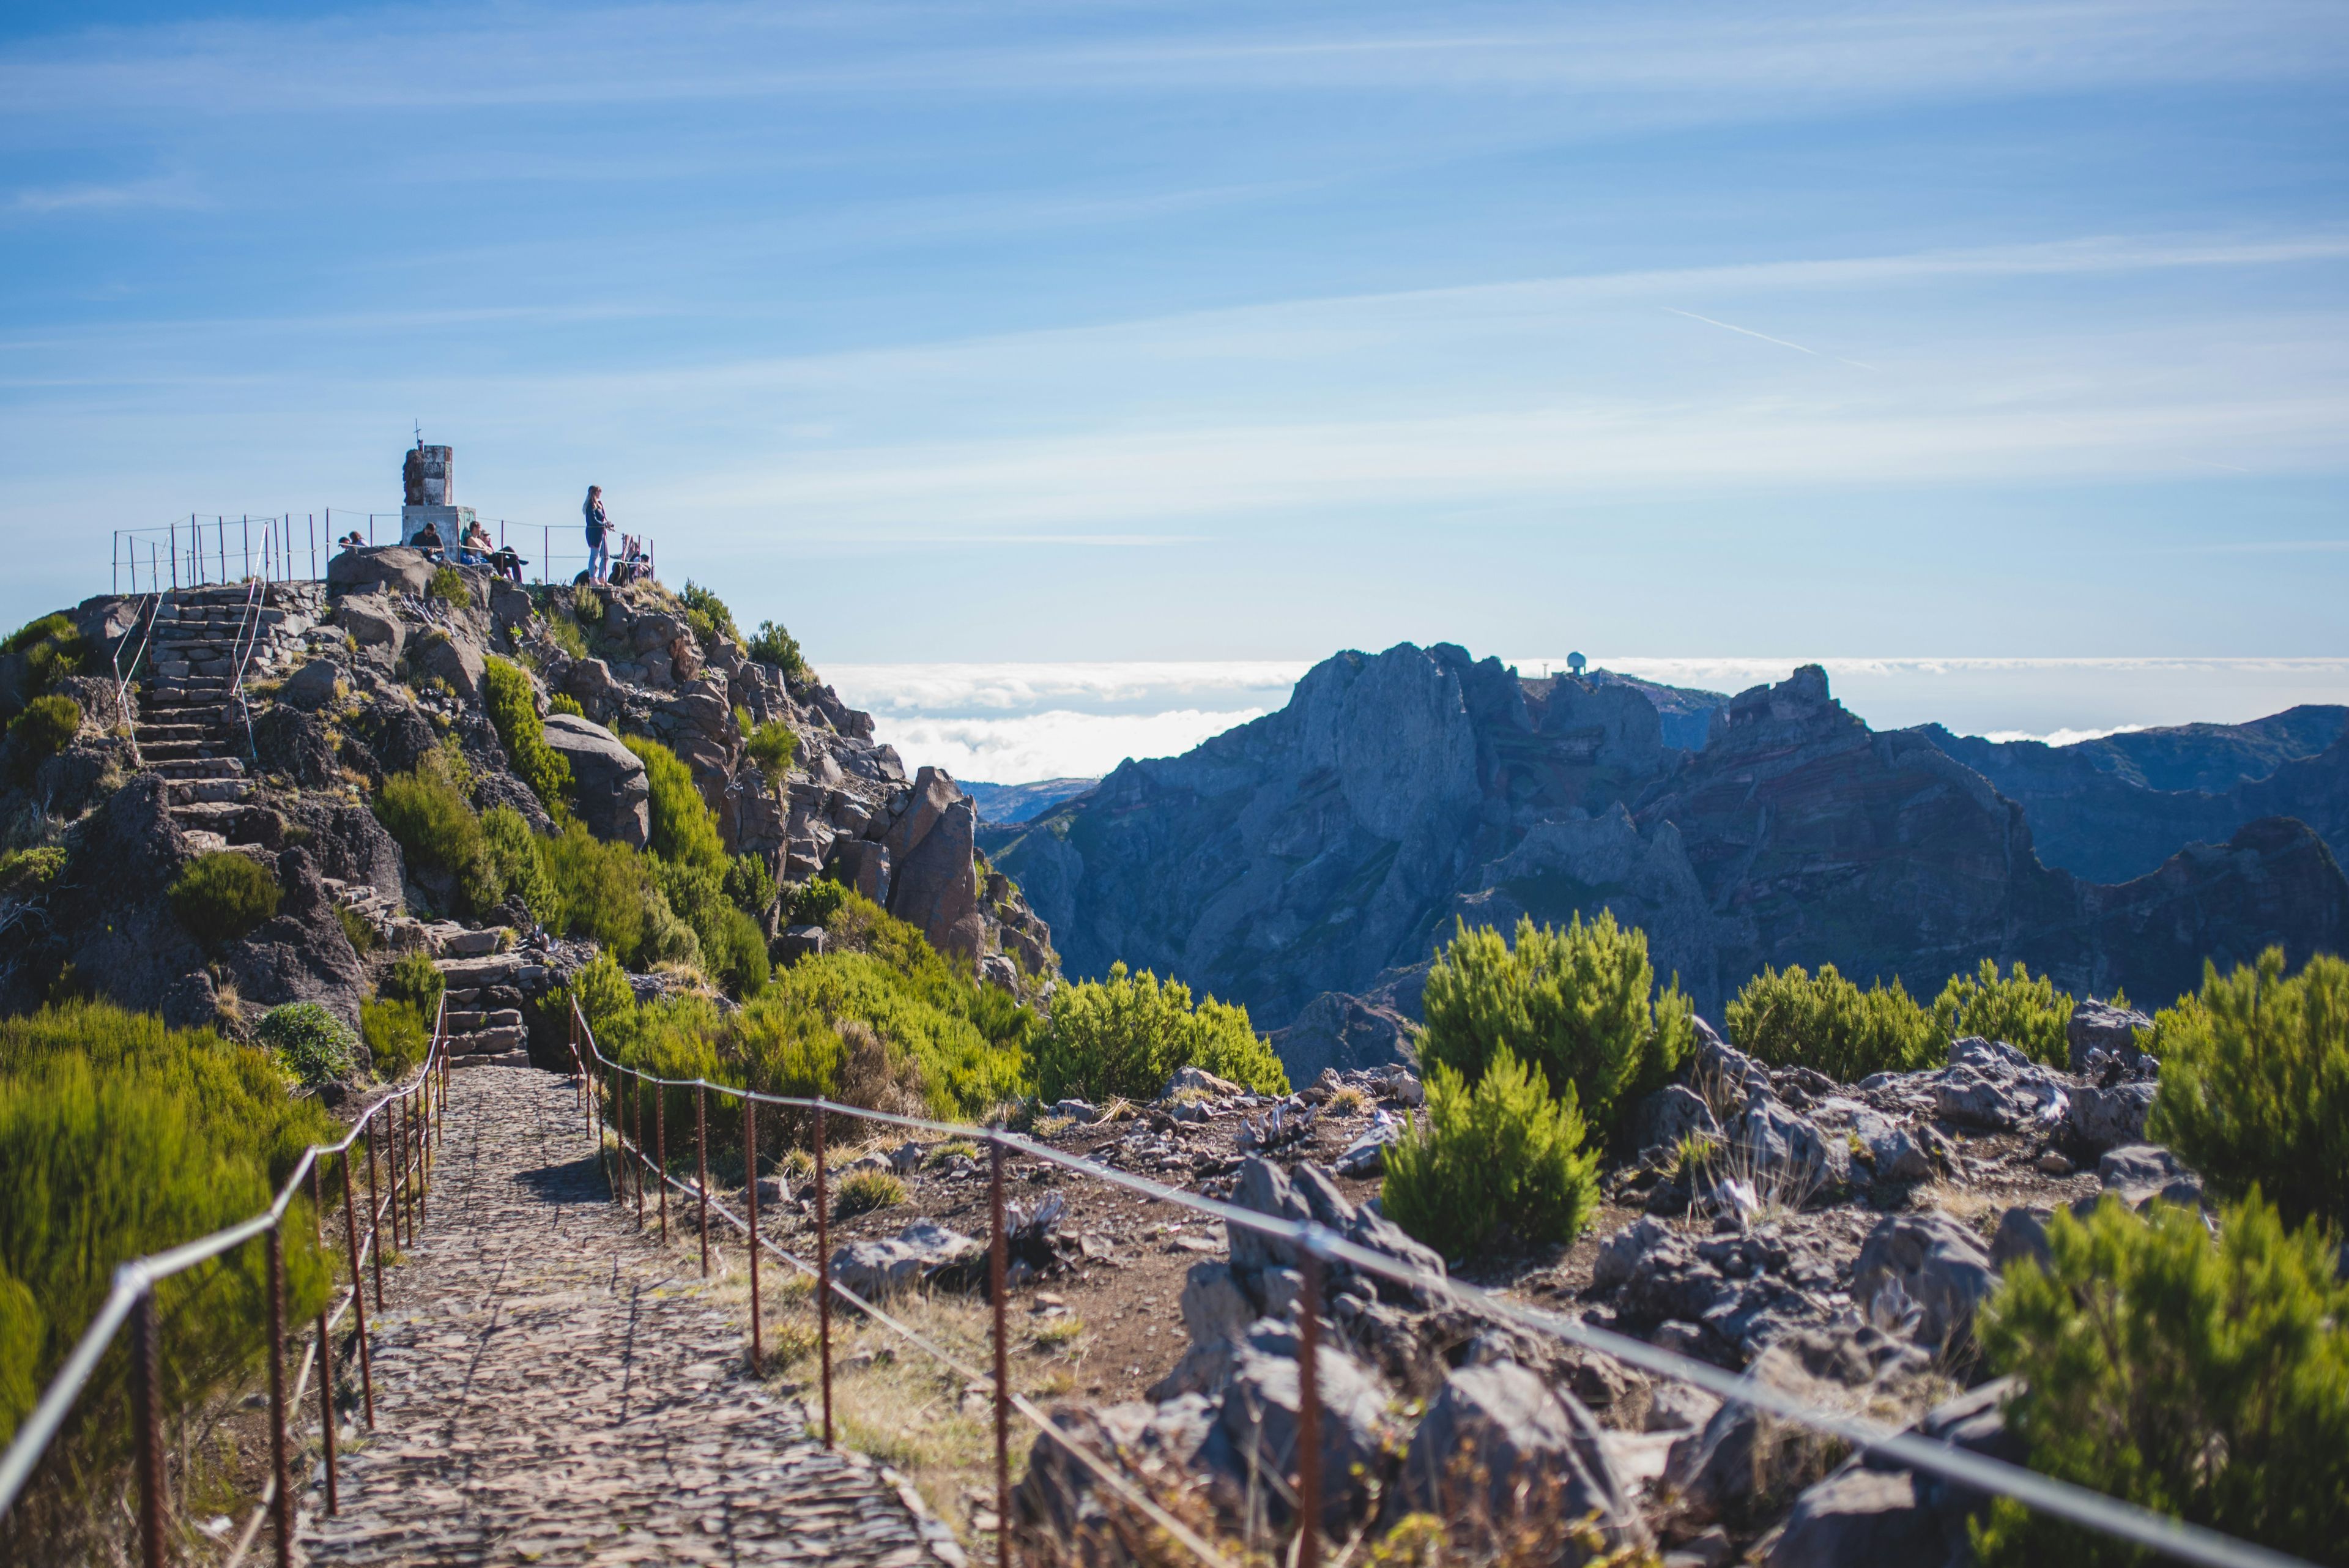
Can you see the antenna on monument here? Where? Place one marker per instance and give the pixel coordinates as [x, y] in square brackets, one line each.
[419, 435]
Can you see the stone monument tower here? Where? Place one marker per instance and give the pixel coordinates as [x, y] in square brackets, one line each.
[428, 485]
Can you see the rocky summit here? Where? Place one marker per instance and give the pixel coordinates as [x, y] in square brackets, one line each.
[1309, 863]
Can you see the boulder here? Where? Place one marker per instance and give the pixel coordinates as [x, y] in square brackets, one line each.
[1366, 1156]
[2138, 1174]
[1858, 1519]
[313, 686]
[613, 798]
[1217, 1313]
[2100, 1026]
[456, 660]
[1898, 1153]
[1662, 1120]
[1198, 1080]
[395, 568]
[1782, 1153]
[2022, 1233]
[1309, 1194]
[1499, 1443]
[2102, 1118]
[372, 629]
[1062, 1495]
[932, 886]
[1257, 1422]
[1938, 1262]
[880, 1268]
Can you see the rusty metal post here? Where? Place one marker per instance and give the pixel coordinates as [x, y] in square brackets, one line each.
[374, 1219]
[823, 1274]
[660, 1156]
[750, 1208]
[701, 1166]
[997, 1272]
[416, 1123]
[1309, 1417]
[282, 1505]
[637, 1138]
[358, 1293]
[395, 1170]
[147, 1420]
[326, 1405]
[423, 1147]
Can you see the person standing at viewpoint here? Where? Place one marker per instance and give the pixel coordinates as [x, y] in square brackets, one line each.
[599, 557]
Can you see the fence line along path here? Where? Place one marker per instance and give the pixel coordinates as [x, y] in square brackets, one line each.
[550, 1388]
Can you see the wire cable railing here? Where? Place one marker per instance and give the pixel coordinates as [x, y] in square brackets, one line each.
[412, 1114]
[211, 551]
[1317, 1246]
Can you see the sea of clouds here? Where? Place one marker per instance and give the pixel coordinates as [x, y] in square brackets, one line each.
[1010, 723]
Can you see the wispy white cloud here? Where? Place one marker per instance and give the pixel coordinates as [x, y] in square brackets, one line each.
[2062, 737]
[1226, 685]
[1058, 743]
[44, 201]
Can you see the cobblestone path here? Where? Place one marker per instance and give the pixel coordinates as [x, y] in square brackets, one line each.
[549, 1388]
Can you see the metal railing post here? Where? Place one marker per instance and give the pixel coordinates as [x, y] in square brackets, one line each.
[636, 1140]
[660, 1156]
[823, 1271]
[358, 1292]
[997, 1272]
[701, 1167]
[147, 1420]
[1309, 1417]
[391, 1164]
[326, 1405]
[750, 1207]
[375, 1219]
[282, 1505]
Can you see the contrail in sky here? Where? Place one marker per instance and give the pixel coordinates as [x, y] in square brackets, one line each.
[1765, 338]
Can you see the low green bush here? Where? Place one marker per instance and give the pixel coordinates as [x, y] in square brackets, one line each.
[566, 635]
[773, 644]
[2029, 1014]
[2207, 1381]
[314, 1045]
[816, 901]
[221, 896]
[707, 614]
[1129, 1034]
[1825, 1022]
[866, 1191]
[564, 703]
[118, 1137]
[2255, 1083]
[773, 745]
[52, 649]
[684, 828]
[1500, 1152]
[414, 978]
[513, 704]
[733, 950]
[751, 883]
[46, 727]
[397, 1035]
[515, 859]
[355, 928]
[427, 812]
[1580, 1004]
[449, 585]
[23, 872]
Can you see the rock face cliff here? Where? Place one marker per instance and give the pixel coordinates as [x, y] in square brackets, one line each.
[2115, 808]
[1329, 847]
[344, 687]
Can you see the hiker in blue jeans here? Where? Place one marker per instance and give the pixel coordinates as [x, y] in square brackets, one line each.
[599, 557]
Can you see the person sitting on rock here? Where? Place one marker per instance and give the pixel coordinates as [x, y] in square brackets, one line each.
[428, 539]
[474, 548]
[506, 564]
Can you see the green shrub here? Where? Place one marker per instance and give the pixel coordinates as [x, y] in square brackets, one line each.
[612, 893]
[2209, 1382]
[707, 614]
[44, 729]
[355, 928]
[427, 812]
[1129, 1034]
[773, 644]
[2255, 1083]
[684, 828]
[23, 872]
[119, 1138]
[314, 1044]
[52, 649]
[866, 1191]
[565, 633]
[1500, 1152]
[513, 704]
[221, 896]
[564, 703]
[2029, 1014]
[516, 859]
[1826, 1023]
[449, 585]
[397, 1035]
[751, 883]
[1580, 1004]
[815, 902]
[733, 950]
[773, 745]
[415, 979]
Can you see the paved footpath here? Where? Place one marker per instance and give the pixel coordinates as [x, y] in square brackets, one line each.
[549, 1389]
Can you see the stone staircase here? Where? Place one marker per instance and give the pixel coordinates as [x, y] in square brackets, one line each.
[188, 728]
[484, 1016]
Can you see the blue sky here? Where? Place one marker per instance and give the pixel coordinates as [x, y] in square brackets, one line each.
[1127, 332]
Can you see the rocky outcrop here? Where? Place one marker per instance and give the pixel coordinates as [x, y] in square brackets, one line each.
[1324, 846]
[614, 800]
